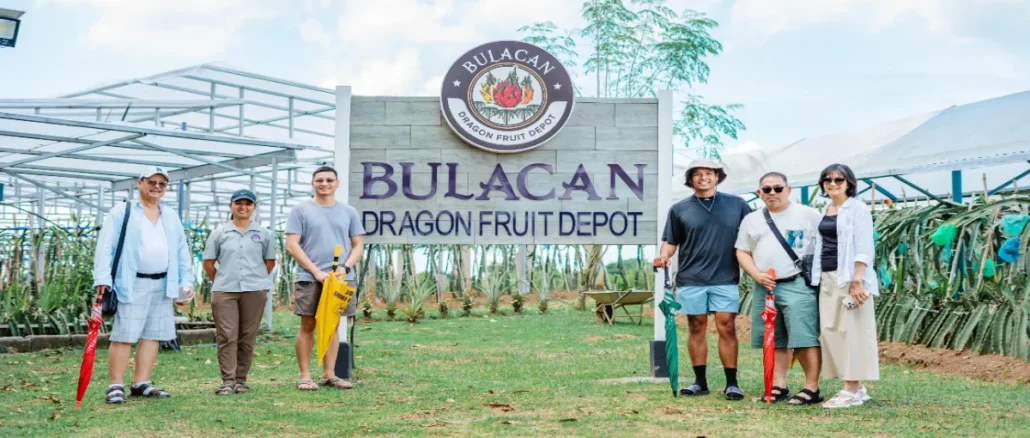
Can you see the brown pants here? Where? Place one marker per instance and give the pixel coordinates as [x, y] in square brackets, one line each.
[237, 319]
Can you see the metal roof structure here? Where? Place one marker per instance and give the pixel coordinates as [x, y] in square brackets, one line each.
[924, 154]
[216, 130]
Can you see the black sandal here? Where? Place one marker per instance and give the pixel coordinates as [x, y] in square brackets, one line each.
[145, 389]
[779, 393]
[813, 398]
[241, 387]
[115, 394]
[225, 389]
[694, 390]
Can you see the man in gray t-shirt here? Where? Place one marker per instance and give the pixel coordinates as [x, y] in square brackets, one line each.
[313, 230]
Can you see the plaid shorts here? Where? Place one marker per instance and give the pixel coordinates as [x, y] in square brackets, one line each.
[150, 316]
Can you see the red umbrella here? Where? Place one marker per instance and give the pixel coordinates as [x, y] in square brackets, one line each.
[86, 370]
[769, 341]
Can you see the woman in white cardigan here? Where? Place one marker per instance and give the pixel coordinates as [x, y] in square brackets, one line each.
[843, 270]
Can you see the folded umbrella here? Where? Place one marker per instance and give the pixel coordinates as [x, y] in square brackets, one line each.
[336, 296]
[669, 306]
[769, 340]
[86, 369]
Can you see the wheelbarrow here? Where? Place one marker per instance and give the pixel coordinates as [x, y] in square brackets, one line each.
[609, 302]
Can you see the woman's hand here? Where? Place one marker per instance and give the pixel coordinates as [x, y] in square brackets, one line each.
[858, 292]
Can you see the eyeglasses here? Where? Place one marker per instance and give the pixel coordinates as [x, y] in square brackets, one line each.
[837, 181]
[324, 181]
[158, 184]
[769, 189]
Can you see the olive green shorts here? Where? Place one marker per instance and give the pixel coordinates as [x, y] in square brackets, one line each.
[797, 315]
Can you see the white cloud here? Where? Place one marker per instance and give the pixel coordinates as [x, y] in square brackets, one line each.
[431, 87]
[388, 76]
[312, 31]
[380, 22]
[180, 28]
[374, 46]
[310, 4]
[764, 17]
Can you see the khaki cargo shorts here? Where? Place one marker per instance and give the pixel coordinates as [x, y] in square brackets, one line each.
[306, 295]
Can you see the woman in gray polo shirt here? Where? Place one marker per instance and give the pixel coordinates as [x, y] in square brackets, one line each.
[245, 255]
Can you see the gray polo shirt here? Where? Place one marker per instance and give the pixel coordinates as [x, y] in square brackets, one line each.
[241, 257]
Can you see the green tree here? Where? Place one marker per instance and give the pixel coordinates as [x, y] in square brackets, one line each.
[642, 47]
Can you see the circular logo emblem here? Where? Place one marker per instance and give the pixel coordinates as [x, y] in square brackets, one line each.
[507, 96]
[255, 237]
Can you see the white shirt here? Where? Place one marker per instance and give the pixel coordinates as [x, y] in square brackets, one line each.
[153, 248]
[797, 224]
[854, 244]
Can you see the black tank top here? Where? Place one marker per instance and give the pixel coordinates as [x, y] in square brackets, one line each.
[828, 230]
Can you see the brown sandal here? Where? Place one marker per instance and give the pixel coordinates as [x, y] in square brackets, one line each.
[307, 385]
[225, 389]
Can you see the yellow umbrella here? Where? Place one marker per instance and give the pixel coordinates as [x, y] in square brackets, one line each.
[336, 295]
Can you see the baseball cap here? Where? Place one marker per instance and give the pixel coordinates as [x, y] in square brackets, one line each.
[154, 170]
[243, 194]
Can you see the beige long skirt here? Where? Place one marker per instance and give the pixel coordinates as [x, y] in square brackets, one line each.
[847, 336]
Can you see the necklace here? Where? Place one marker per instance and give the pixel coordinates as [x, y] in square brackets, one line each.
[708, 208]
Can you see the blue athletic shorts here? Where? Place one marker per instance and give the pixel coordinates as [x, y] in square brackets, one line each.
[701, 300]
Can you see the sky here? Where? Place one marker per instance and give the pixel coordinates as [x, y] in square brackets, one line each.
[800, 68]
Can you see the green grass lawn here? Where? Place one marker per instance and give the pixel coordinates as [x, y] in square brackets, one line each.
[506, 375]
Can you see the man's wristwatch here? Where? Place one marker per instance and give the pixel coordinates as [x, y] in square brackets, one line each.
[346, 269]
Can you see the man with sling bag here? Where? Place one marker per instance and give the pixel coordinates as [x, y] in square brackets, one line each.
[153, 268]
[782, 236]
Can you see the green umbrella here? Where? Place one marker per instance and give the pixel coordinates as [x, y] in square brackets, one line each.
[669, 306]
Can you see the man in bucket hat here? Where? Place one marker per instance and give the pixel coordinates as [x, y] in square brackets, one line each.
[703, 228]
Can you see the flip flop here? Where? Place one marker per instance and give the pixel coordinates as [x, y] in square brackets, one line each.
[307, 385]
[336, 382]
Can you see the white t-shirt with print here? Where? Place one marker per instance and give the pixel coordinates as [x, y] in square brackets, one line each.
[798, 225]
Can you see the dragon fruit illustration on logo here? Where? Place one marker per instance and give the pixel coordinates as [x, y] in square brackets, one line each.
[510, 101]
[507, 96]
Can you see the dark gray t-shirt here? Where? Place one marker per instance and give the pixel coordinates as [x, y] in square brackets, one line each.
[705, 239]
[321, 229]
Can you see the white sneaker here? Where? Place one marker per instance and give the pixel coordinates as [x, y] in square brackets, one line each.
[863, 394]
[844, 399]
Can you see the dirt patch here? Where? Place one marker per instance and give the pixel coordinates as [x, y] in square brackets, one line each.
[989, 368]
[418, 415]
[593, 339]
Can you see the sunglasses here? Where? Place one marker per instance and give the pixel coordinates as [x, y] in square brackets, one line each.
[157, 184]
[769, 189]
[837, 181]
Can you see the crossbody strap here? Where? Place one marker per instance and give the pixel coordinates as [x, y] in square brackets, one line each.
[121, 241]
[779, 237]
